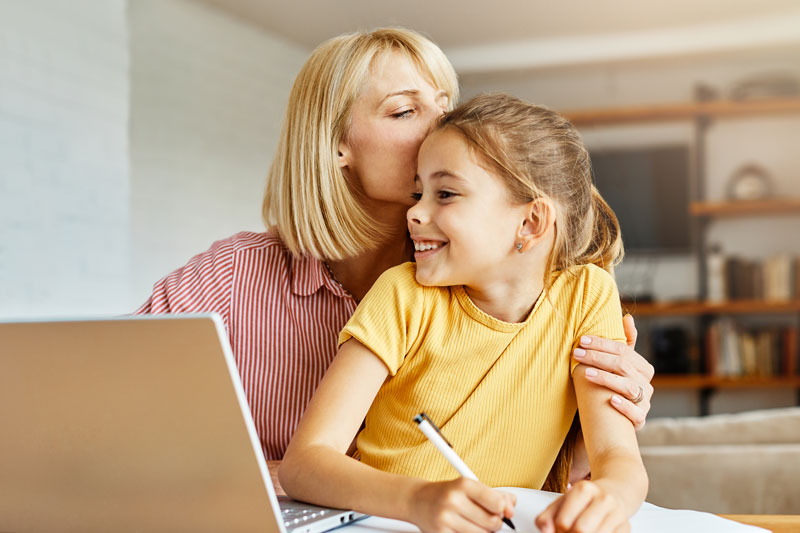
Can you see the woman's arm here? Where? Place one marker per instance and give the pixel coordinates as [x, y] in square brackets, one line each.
[620, 369]
[619, 481]
[316, 469]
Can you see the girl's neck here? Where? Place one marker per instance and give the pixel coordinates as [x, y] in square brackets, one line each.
[509, 302]
[516, 286]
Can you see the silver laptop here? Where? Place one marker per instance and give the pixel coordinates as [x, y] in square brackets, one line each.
[134, 424]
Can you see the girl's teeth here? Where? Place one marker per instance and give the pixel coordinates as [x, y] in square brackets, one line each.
[422, 247]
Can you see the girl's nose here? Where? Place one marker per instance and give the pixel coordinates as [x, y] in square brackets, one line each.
[415, 214]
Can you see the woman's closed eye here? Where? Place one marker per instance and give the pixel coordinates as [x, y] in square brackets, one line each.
[404, 113]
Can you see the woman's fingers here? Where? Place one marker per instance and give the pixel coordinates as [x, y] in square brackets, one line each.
[630, 410]
[603, 351]
[631, 333]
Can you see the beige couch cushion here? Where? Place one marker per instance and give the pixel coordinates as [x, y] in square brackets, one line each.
[769, 426]
[736, 464]
[729, 479]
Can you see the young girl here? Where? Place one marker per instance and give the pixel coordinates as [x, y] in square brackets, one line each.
[514, 254]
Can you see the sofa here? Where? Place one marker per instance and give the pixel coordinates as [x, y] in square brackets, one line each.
[746, 463]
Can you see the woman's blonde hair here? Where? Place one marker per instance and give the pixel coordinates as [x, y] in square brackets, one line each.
[539, 154]
[308, 201]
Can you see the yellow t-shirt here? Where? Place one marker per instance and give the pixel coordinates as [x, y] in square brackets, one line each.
[501, 392]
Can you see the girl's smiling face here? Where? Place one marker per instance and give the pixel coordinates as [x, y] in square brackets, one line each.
[464, 224]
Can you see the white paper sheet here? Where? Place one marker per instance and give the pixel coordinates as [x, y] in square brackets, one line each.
[649, 519]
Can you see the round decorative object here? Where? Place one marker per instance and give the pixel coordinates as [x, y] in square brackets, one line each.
[750, 182]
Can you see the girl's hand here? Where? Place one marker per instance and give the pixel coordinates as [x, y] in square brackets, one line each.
[585, 507]
[461, 505]
[619, 368]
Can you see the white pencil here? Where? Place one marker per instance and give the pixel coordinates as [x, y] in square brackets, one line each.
[430, 430]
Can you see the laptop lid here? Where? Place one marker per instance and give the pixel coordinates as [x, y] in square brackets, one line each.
[134, 423]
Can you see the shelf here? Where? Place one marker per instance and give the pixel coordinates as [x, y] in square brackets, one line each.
[703, 308]
[755, 207]
[720, 382]
[684, 111]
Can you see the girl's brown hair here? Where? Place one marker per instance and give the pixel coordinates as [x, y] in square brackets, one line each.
[539, 154]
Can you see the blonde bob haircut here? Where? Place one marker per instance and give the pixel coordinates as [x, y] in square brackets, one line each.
[308, 201]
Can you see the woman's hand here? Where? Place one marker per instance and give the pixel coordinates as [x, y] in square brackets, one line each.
[461, 505]
[585, 507]
[619, 368]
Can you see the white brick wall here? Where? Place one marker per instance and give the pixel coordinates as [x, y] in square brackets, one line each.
[64, 216]
[207, 100]
[132, 135]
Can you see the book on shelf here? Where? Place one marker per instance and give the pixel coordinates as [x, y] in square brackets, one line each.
[774, 279]
[736, 351]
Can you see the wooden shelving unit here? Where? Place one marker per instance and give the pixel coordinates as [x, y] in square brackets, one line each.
[680, 111]
[708, 308]
[701, 115]
[745, 208]
[718, 382]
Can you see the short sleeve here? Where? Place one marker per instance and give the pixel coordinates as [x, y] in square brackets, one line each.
[600, 312]
[387, 321]
[204, 284]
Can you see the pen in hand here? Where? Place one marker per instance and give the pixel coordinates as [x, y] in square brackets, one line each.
[430, 430]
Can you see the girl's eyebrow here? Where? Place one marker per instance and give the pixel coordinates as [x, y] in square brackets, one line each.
[442, 174]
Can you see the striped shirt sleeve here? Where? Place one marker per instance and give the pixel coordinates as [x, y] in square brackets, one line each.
[204, 284]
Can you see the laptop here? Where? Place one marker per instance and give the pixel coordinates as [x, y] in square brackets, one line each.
[134, 424]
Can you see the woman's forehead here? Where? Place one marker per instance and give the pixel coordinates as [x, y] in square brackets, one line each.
[394, 72]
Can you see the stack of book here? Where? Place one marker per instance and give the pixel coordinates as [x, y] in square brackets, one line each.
[735, 351]
[776, 278]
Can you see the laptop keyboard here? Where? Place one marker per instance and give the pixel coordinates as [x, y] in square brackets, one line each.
[296, 516]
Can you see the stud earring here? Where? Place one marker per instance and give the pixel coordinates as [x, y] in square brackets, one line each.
[519, 247]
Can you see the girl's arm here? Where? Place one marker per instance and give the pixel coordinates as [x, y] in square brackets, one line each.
[619, 481]
[316, 469]
[621, 370]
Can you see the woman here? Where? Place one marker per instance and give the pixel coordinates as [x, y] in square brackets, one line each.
[336, 200]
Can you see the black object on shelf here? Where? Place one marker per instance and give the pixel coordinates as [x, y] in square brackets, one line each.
[671, 350]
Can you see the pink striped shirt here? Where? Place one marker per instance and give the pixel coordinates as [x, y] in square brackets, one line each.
[283, 315]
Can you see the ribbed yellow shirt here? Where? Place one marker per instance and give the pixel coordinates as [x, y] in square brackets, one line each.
[501, 392]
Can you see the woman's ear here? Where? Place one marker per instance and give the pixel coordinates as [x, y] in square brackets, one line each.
[344, 155]
[540, 216]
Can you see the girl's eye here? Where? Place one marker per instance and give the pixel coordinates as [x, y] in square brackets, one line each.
[443, 195]
[417, 196]
[403, 114]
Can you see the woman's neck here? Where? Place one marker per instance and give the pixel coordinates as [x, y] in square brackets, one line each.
[357, 274]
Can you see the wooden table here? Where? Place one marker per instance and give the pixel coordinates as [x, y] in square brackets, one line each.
[776, 523]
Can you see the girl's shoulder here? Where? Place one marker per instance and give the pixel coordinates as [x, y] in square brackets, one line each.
[583, 277]
[402, 277]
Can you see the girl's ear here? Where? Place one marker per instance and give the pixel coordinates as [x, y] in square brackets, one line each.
[540, 216]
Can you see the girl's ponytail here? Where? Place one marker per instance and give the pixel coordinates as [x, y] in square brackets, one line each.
[605, 245]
